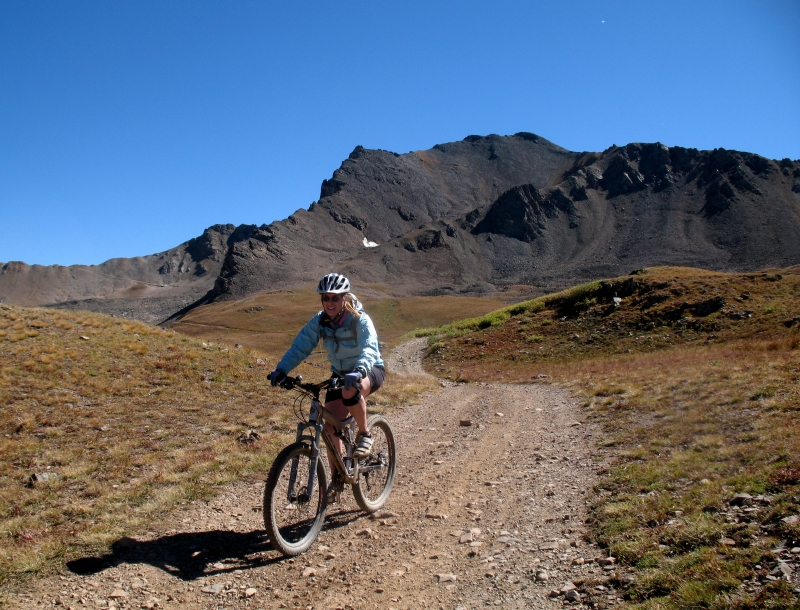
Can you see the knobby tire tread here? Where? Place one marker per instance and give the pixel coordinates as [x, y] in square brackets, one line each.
[365, 502]
[274, 503]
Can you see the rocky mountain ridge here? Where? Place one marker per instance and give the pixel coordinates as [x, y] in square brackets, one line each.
[465, 217]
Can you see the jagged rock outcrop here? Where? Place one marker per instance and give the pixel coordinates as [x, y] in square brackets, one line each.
[522, 212]
[466, 217]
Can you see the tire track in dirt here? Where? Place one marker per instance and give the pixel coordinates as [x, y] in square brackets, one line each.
[476, 513]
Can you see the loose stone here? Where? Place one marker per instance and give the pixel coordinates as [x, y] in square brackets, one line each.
[213, 589]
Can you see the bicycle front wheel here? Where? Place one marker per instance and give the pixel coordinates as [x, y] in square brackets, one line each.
[293, 517]
[376, 472]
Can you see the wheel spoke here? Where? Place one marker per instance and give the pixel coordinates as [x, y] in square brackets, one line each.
[376, 473]
[292, 517]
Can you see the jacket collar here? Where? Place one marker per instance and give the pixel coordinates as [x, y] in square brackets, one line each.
[337, 321]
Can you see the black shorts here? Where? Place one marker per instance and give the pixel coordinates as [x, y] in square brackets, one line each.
[376, 377]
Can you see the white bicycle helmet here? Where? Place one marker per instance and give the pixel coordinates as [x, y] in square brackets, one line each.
[333, 283]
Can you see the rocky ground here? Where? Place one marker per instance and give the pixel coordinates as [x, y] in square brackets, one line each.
[488, 509]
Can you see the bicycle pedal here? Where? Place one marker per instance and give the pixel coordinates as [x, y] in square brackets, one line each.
[334, 496]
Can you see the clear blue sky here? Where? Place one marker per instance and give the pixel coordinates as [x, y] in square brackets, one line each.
[128, 127]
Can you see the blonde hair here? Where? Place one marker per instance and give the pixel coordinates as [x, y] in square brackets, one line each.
[352, 304]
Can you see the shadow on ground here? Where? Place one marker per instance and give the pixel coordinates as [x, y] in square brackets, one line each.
[193, 555]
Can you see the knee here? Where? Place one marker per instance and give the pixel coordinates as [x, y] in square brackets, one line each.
[353, 401]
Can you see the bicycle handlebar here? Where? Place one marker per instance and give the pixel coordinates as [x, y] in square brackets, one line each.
[291, 383]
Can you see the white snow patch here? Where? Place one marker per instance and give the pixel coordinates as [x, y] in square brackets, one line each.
[369, 244]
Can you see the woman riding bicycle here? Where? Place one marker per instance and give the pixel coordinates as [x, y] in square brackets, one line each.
[350, 339]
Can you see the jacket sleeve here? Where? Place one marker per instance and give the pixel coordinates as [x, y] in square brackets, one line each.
[368, 344]
[302, 346]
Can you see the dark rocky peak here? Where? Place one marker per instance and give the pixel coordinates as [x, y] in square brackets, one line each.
[683, 159]
[358, 151]
[638, 166]
[244, 232]
[655, 164]
[725, 174]
[212, 244]
[737, 167]
[760, 166]
[526, 135]
[486, 142]
[384, 194]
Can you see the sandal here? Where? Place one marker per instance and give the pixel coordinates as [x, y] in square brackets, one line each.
[363, 446]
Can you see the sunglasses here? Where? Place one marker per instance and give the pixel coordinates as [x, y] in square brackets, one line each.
[335, 298]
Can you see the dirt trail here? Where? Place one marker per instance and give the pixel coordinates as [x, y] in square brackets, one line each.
[477, 512]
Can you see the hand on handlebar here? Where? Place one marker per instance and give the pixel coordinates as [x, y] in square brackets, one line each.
[276, 377]
[352, 380]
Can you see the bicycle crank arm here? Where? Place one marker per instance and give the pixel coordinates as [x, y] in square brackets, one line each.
[337, 458]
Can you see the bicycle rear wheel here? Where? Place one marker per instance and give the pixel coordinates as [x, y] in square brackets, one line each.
[376, 472]
[292, 517]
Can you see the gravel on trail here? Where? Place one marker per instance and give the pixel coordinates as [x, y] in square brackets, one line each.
[488, 509]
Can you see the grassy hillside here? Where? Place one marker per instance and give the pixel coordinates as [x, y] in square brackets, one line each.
[696, 378]
[269, 321]
[107, 423]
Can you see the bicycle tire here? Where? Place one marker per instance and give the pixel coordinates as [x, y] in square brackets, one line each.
[374, 483]
[293, 522]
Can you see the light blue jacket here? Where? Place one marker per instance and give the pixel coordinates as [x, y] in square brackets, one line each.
[352, 345]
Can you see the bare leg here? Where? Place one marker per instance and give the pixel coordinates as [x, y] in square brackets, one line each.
[359, 411]
[339, 411]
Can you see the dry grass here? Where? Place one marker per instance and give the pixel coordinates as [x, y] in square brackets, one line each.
[269, 321]
[697, 409]
[128, 421]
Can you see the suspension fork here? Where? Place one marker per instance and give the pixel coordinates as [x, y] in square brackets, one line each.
[313, 422]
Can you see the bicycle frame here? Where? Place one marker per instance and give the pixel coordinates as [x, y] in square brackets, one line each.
[318, 416]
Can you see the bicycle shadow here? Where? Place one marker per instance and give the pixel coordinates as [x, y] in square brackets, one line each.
[192, 555]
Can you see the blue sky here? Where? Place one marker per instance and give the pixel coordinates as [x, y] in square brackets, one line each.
[128, 127]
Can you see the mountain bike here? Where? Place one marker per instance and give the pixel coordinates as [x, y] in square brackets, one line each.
[296, 494]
